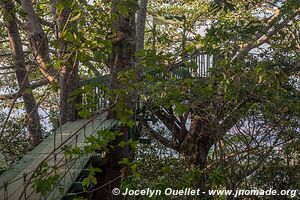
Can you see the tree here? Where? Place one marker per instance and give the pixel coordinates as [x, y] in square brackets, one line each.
[236, 125]
[240, 83]
[122, 60]
[140, 24]
[34, 126]
[69, 78]
[38, 41]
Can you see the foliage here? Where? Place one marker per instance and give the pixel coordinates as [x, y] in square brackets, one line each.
[246, 107]
[44, 182]
[14, 144]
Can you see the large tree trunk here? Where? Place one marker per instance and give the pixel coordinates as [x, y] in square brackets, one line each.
[140, 24]
[203, 134]
[198, 142]
[38, 41]
[122, 59]
[69, 78]
[34, 126]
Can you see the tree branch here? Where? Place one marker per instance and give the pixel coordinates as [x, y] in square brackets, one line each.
[164, 141]
[261, 39]
[18, 94]
[169, 123]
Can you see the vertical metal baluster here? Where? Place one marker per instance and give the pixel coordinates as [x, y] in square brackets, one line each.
[205, 65]
[66, 161]
[201, 65]
[55, 158]
[208, 64]
[54, 142]
[55, 165]
[5, 190]
[198, 72]
[84, 133]
[24, 184]
[106, 102]
[96, 99]
[60, 129]
[103, 103]
[93, 126]
[75, 160]
[99, 99]
[76, 139]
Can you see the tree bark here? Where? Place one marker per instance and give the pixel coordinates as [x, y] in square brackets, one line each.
[68, 75]
[140, 24]
[122, 59]
[38, 40]
[34, 126]
[198, 142]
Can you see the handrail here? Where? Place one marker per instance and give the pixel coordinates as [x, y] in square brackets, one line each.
[202, 60]
[59, 147]
[29, 175]
[76, 133]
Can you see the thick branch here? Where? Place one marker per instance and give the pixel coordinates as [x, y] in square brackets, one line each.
[169, 122]
[140, 24]
[261, 39]
[18, 94]
[38, 40]
[164, 141]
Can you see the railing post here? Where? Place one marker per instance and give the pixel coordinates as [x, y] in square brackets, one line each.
[55, 158]
[54, 142]
[65, 166]
[93, 129]
[60, 128]
[76, 140]
[5, 190]
[24, 184]
[208, 65]
[84, 133]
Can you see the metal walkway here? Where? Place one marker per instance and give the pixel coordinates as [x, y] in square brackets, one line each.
[48, 160]
[17, 183]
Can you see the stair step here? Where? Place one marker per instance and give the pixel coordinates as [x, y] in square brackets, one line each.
[84, 173]
[77, 187]
[69, 196]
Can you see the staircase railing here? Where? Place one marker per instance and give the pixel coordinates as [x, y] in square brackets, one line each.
[194, 66]
[55, 165]
[64, 163]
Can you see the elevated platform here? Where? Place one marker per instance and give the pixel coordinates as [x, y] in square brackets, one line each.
[16, 183]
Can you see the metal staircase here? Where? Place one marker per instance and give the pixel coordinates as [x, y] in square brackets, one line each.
[48, 160]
